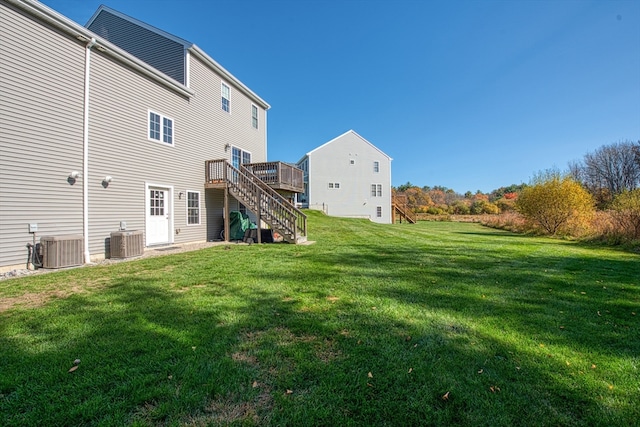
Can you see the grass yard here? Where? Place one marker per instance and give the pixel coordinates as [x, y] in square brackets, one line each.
[399, 325]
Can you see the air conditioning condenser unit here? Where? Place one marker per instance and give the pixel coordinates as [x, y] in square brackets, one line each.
[62, 251]
[126, 244]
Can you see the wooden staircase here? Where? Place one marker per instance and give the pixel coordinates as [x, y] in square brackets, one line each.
[269, 206]
[401, 210]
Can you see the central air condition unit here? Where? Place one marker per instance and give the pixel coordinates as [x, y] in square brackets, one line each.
[62, 251]
[126, 244]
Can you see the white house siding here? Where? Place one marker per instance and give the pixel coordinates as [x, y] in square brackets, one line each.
[41, 110]
[331, 163]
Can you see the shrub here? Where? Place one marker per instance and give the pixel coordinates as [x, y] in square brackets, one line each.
[626, 213]
[556, 204]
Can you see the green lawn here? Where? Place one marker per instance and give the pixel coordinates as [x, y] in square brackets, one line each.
[428, 324]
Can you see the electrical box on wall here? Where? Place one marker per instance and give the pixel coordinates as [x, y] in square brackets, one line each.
[33, 227]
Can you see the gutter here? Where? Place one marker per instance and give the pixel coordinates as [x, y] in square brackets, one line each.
[85, 151]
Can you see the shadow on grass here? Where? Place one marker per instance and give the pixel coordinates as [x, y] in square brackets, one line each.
[380, 334]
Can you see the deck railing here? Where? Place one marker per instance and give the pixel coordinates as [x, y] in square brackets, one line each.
[267, 204]
[279, 174]
[401, 206]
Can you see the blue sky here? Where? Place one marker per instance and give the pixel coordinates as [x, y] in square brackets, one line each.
[471, 95]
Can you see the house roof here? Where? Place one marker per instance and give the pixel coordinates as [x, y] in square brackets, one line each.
[188, 46]
[351, 131]
[67, 26]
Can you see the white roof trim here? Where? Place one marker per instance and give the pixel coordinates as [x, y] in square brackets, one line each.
[66, 25]
[344, 134]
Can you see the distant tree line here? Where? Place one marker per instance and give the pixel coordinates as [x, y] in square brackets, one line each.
[608, 171]
[554, 202]
[439, 200]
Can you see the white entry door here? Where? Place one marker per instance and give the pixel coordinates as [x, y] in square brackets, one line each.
[158, 216]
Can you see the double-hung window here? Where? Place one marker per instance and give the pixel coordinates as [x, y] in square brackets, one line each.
[254, 116]
[226, 98]
[378, 211]
[376, 167]
[376, 190]
[160, 128]
[193, 207]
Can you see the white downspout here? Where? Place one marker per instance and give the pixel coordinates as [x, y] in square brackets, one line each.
[85, 154]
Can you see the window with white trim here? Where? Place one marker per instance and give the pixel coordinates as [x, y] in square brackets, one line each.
[376, 167]
[254, 116]
[160, 128]
[239, 157]
[378, 211]
[376, 190]
[193, 208]
[226, 98]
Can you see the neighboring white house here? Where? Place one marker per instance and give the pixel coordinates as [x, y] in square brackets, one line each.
[348, 177]
[115, 124]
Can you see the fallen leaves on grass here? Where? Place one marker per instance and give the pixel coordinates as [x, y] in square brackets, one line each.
[494, 388]
[445, 396]
[369, 375]
[73, 368]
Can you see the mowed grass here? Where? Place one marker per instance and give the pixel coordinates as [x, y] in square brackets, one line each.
[374, 325]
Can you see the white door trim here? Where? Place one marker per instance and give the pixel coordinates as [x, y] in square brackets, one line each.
[169, 206]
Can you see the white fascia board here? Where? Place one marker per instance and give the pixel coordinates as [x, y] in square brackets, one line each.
[66, 25]
[351, 131]
[211, 63]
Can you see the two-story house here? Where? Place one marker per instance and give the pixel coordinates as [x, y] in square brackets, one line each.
[118, 125]
[348, 177]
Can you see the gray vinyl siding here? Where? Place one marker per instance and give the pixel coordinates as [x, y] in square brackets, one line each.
[215, 126]
[41, 110]
[120, 100]
[156, 50]
[41, 128]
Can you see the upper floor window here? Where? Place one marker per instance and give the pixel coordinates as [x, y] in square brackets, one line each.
[376, 190]
[334, 185]
[226, 98]
[160, 128]
[193, 207]
[376, 167]
[254, 116]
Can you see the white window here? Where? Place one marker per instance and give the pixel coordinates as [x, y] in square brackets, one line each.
[226, 98]
[376, 190]
[160, 128]
[379, 211]
[193, 207]
[239, 157]
[334, 185]
[376, 167]
[254, 116]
